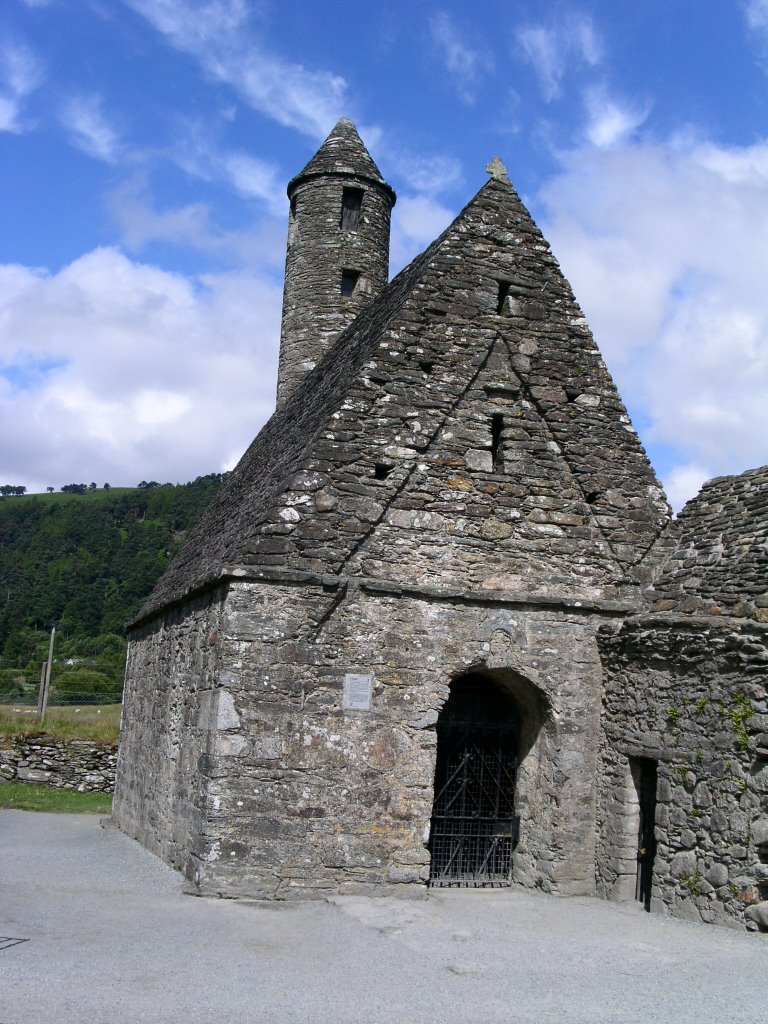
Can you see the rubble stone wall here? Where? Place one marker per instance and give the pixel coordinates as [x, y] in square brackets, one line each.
[304, 796]
[170, 697]
[690, 694]
[62, 764]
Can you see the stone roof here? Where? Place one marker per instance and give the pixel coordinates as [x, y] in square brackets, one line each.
[718, 562]
[265, 469]
[343, 153]
[384, 443]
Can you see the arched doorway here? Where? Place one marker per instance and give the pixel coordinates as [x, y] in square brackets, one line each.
[474, 826]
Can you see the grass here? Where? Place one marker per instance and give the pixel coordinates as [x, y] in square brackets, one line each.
[98, 494]
[31, 796]
[100, 724]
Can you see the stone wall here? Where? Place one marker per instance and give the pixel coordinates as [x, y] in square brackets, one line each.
[690, 694]
[62, 764]
[303, 796]
[169, 699]
[718, 562]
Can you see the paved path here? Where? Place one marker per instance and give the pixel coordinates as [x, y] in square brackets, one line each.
[112, 939]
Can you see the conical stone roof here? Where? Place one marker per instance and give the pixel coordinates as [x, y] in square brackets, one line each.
[343, 153]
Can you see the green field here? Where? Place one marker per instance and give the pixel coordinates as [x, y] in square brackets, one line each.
[99, 493]
[29, 796]
[99, 724]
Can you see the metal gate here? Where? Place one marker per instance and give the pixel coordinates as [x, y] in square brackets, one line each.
[474, 825]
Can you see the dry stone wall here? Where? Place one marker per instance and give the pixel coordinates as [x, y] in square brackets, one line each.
[718, 562]
[690, 694]
[62, 764]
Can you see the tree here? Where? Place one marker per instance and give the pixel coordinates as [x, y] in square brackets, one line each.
[91, 486]
[50, 489]
[106, 487]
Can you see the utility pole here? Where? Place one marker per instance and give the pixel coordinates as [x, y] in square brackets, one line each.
[46, 679]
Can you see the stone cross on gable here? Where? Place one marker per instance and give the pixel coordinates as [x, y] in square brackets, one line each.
[497, 170]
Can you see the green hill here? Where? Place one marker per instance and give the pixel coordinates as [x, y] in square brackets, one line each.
[84, 563]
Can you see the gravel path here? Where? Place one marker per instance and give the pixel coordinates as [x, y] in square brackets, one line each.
[111, 938]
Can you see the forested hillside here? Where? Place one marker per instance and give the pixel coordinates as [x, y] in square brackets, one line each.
[84, 563]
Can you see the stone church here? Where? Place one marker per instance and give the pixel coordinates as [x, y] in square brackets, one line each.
[438, 628]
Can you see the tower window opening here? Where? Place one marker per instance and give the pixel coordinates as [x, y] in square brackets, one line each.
[293, 224]
[497, 426]
[351, 203]
[382, 470]
[349, 279]
[501, 302]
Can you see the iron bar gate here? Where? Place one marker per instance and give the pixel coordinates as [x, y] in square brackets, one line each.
[474, 825]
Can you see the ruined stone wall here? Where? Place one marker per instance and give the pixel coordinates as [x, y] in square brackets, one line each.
[305, 797]
[170, 702]
[62, 764]
[718, 562]
[689, 693]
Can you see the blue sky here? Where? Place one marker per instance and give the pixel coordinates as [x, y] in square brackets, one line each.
[145, 146]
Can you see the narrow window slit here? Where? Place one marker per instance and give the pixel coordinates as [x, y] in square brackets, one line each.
[349, 280]
[382, 470]
[591, 497]
[292, 222]
[427, 365]
[501, 304]
[351, 204]
[497, 426]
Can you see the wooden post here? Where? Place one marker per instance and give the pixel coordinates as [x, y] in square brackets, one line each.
[47, 684]
[41, 691]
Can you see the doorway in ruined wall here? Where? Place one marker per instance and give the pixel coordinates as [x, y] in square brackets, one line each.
[474, 827]
[645, 777]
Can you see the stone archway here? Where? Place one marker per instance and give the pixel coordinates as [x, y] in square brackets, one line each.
[486, 730]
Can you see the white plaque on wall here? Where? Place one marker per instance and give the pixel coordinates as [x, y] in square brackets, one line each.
[357, 692]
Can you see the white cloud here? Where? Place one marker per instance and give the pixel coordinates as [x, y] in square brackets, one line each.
[254, 178]
[609, 120]
[89, 129]
[218, 34]
[196, 153]
[551, 49]
[119, 371]
[756, 12]
[666, 246]
[416, 222]
[466, 65]
[684, 482]
[431, 174]
[191, 226]
[20, 74]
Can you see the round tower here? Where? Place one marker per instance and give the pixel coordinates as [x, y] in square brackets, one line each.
[338, 250]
